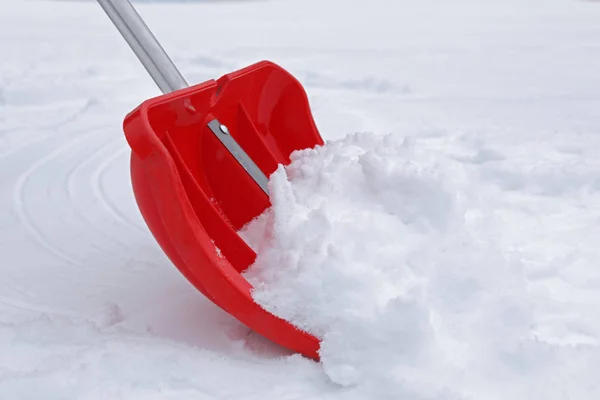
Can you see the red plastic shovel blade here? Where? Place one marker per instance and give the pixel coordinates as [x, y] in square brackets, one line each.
[193, 194]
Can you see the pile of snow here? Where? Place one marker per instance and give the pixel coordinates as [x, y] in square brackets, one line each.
[374, 245]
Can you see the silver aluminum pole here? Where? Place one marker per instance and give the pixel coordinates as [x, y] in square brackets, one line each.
[167, 76]
[144, 45]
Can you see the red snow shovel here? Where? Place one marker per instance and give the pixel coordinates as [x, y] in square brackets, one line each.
[200, 162]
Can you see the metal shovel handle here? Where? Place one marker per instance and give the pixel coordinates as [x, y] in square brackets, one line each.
[168, 78]
[144, 45]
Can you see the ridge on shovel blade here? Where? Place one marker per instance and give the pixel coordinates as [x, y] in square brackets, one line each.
[193, 194]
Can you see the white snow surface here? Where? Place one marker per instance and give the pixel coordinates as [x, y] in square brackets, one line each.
[450, 222]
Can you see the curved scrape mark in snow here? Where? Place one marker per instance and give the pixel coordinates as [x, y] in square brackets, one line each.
[95, 180]
[19, 203]
[71, 182]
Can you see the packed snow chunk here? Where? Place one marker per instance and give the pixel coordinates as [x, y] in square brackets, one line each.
[346, 224]
[373, 245]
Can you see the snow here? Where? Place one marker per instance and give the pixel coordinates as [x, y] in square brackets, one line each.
[384, 251]
[347, 223]
[489, 108]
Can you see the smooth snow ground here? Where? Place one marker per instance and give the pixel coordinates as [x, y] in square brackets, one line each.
[89, 306]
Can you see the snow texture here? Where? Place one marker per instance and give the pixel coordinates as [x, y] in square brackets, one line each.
[385, 252]
[462, 155]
